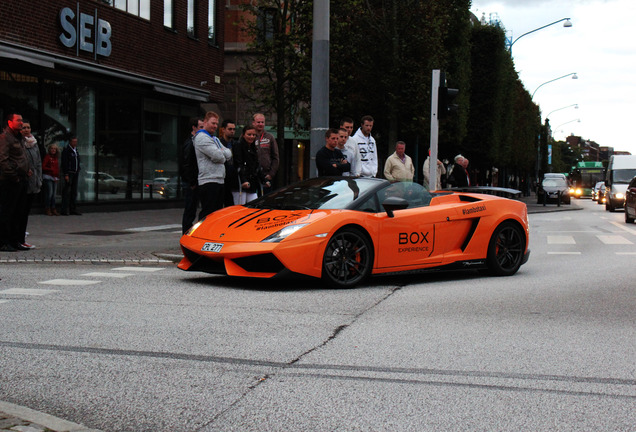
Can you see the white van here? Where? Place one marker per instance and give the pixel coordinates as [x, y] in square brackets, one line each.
[621, 169]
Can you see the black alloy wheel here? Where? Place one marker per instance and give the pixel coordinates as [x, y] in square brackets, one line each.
[505, 249]
[348, 258]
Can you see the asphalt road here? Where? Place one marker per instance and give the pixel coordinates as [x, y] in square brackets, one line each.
[142, 346]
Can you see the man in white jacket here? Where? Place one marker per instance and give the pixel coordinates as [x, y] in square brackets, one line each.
[211, 158]
[367, 147]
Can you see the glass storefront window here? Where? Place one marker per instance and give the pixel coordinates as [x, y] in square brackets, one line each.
[161, 167]
[117, 169]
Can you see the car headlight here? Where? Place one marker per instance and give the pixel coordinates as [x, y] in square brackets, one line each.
[194, 227]
[283, 233]
[620, 196]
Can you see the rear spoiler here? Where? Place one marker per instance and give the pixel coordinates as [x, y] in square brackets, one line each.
[490, 190]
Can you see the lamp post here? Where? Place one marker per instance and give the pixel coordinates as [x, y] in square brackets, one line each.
[568, 122]
[567, 23]
[573, 74]
[576, 106]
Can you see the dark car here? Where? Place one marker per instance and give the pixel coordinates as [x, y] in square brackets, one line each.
[553, 189]
[630, 202]
[595, 190]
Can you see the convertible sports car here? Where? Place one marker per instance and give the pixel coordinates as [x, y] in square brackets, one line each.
[343, 229]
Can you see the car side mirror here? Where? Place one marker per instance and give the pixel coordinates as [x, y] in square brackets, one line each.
[394, 203]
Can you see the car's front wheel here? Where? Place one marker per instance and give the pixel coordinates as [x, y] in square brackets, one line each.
[505, 249]
[348, 258]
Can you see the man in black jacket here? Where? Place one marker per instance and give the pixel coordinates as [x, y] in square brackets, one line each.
[329, 160]
[14, 170]
[189, 175]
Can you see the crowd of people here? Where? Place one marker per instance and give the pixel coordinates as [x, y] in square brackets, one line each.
[23, 174]
[217, 168]
[222, 171]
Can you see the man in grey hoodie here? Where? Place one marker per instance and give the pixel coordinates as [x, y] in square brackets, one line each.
[211, 158]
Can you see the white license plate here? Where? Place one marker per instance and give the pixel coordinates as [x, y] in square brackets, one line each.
[212, 247]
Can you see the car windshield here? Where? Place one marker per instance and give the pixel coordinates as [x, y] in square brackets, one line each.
[317, 193]
[553, 182]
[623, 175]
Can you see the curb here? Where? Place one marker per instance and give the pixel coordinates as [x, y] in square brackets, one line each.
[36, 418]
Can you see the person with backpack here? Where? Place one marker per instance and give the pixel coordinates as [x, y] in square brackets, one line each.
[189, 175]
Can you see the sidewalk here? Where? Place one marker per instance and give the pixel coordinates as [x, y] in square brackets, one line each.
[140, 236]
[15, 418]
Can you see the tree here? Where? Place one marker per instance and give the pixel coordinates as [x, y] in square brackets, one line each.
[276, 76]
[383, 53]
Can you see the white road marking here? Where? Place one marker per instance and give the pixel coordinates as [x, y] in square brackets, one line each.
[27, 291]
[138, 269]
[625, 253]
[624, 227]
[561, 239]
[613, 239]
[4, 301]
[104, 274]
[153, 228]
[69, 282]
[564, 253]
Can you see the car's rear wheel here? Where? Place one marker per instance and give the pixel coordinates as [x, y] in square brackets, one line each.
[628, 218]
[348, 258]
[505, 249]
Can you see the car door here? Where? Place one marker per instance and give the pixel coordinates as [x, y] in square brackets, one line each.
[410, 238]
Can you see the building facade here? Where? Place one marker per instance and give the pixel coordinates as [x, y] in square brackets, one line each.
[294, 147]
[123, 76]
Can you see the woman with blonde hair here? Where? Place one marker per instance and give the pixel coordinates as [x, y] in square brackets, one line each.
[50, 177]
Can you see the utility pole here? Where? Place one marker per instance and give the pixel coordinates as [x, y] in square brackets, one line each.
[319, 80]
[432, 166]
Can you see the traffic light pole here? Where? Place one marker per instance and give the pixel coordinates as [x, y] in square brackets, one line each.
[432, 166]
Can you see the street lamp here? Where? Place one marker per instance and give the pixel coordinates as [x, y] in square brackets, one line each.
[576, 106]
[571, 121]
[573, 74]
[567, 23]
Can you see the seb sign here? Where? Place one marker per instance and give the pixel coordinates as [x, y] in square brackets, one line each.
[85, 32]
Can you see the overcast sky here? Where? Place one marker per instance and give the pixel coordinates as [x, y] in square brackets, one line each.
[599, 48]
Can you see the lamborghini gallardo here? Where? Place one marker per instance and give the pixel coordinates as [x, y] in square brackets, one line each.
[344, 229]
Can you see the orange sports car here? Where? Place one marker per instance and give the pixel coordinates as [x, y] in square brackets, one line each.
[344, 229]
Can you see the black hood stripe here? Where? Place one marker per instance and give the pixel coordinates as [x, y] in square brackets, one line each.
[251, 217]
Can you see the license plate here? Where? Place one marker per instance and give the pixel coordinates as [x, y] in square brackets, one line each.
[212, 247]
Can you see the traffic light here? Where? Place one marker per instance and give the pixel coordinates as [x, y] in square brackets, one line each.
[445, 98]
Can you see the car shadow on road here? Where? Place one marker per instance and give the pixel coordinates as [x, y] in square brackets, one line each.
[297, 283]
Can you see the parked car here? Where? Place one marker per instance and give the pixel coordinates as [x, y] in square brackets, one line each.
[630, 201]
[553, 189]
[105, 182]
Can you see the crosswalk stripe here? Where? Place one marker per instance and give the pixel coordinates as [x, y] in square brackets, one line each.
[27, 291]
[4, 301]
[138, 269]
[560, 239]
[625, 253]
[564, 253]
[624, 227]
[613, 239]
[104, 274]
[69, 282]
